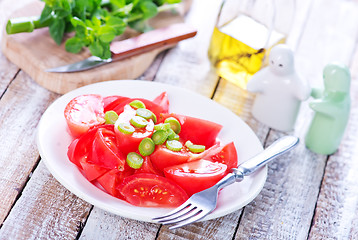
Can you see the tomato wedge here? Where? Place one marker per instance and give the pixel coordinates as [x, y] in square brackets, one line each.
[105, 152]
[226, 155]
[110, 180]
[92, 171]
[150, 190]
[81, 148]
[84, 112]
[162, 157]
[198, 131]
[110, 102]
[147, 167]
[163, 101]
[196, 176]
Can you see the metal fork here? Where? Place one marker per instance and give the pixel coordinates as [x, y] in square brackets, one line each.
[202, 203]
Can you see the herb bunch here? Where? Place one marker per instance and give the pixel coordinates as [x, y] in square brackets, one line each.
[95, 22]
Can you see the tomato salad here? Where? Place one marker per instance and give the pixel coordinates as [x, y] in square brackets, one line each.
[141, 153]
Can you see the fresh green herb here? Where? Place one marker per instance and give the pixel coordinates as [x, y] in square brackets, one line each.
[95, 22]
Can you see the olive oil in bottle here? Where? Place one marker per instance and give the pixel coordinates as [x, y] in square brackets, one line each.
[238, 48]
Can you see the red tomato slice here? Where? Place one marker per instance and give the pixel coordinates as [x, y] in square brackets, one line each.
[149, 190]
[198, 131]
[162, 157]
[226, 155]
[110, 180]
[111, 102]
[163, 101]
[130, 142]
[92, 171]
[196, 176]
[81, 148]
[105, 152]
[147, 167]
[84, 112]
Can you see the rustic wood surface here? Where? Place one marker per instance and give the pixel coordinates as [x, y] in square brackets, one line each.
[306, 195]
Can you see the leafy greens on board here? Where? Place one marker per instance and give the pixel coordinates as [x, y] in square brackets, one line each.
[95, 22]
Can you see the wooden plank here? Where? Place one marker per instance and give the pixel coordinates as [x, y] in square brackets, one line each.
[7, 69]
[105, 225]
[46, 210]
[220, 228]
[285, 207]
[151, 72]
[187, 65]
[7, 73]
[240, 102]
[336, 213]
[21, 108]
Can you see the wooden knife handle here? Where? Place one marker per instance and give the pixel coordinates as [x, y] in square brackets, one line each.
[158, 38]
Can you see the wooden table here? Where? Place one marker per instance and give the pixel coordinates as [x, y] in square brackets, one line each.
[306, 195]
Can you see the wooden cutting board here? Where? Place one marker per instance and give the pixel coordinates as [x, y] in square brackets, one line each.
[34, 52]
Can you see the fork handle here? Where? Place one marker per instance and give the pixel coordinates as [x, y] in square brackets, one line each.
[279, 147]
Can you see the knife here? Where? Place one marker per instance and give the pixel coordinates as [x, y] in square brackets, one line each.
[166, 37]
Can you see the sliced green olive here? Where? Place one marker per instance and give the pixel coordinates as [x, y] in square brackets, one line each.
[147, 114]
[137, 104]
[159, 137]
[126, 128]
[174, 124]
[110, 117]
[174, 145]
[139, 122]
[134, 160]
[146, 147]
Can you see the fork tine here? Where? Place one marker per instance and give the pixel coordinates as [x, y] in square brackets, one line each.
[196, 218]
[175, 211]
[180, 214]
[193, 212]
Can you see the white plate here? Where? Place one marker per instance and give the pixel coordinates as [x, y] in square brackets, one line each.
[53, 139]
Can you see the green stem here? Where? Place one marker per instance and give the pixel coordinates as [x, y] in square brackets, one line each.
[24, 24]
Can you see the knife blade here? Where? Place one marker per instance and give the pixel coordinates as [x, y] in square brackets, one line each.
[164, 38]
